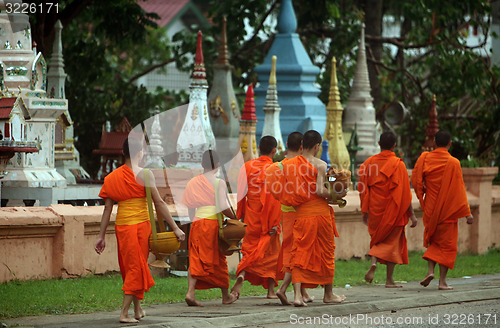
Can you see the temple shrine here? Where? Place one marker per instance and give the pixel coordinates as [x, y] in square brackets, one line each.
[31, 176]
[301, 109]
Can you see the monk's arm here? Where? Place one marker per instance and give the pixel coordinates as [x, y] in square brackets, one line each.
[411, 215]
[227, 209]
[164, 213]
[320, 182]
[106, 216]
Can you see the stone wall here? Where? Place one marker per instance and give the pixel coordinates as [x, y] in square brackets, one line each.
[58, 241]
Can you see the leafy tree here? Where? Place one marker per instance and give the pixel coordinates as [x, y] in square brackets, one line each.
[430, 56]
[109, 44]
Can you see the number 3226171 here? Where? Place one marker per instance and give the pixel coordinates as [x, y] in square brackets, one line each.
[31, 8]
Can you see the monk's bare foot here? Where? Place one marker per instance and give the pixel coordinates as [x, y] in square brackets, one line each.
[334, 299]
[236, 290]
[427, 280]
[191, 301]
[445, 287]
[235, 294]
[272, 295]
[140, 314]
[128, 320]
[393, 285]
[282, 296]
[308, 299]
[299, 303]
[230, 298]
[371, 273]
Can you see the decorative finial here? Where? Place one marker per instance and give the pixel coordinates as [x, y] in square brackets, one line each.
[334, 95]
[199, 65]
[222, 59]
[272, 75]
[287, 22]
[249, 107]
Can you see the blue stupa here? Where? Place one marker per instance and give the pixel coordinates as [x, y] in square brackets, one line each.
[301, 109]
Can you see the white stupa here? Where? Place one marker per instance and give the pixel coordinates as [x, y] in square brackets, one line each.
[359, 110]
[196, 135]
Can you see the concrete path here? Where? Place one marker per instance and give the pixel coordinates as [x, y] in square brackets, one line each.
[363, 302]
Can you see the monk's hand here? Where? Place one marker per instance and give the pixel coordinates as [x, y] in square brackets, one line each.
[470, 219]
[273, 230]
[179, 234]
[413, 219]
[99, 246]
[365, 218]
[341, 194]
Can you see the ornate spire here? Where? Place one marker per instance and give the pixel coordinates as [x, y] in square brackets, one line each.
[337, 150]
[249, 107]
[56, 77]
[272, 109]
[222, 59]
[359, 109]
[248, 123]
[223, 107]
[432, 128]
[199, 73]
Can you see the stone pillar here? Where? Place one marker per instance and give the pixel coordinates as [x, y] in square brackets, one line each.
[478, 181]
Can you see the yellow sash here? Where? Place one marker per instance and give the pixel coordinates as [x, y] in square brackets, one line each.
[132, 211]
[206, 212]
[287, 209]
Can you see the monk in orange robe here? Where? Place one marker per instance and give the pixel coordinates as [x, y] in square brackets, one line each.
[262, 214]
[132, 229]
[313, 249]
[207, 264]
[439, 186]
[274, 183]
[384, 191]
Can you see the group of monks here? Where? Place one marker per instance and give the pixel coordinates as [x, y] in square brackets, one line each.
[290, 225]
[290, 198]
[385, 194]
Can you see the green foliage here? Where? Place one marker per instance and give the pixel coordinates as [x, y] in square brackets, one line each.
[106, 53]
[103, 292]
[104, 56]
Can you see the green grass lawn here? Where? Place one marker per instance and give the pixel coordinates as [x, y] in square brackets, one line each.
[103, 292]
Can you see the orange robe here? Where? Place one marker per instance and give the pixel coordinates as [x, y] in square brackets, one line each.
[132, 229]
[260, 211]
[313, 249]
[275, 183]
[384, 191]
[206, 263]
[439, 186]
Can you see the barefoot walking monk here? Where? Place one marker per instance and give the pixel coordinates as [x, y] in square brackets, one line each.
[132, 229]
[439, 186]
[262, 214]
[207, 264]
[384, 191]
[313, 249]
[274, 184]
